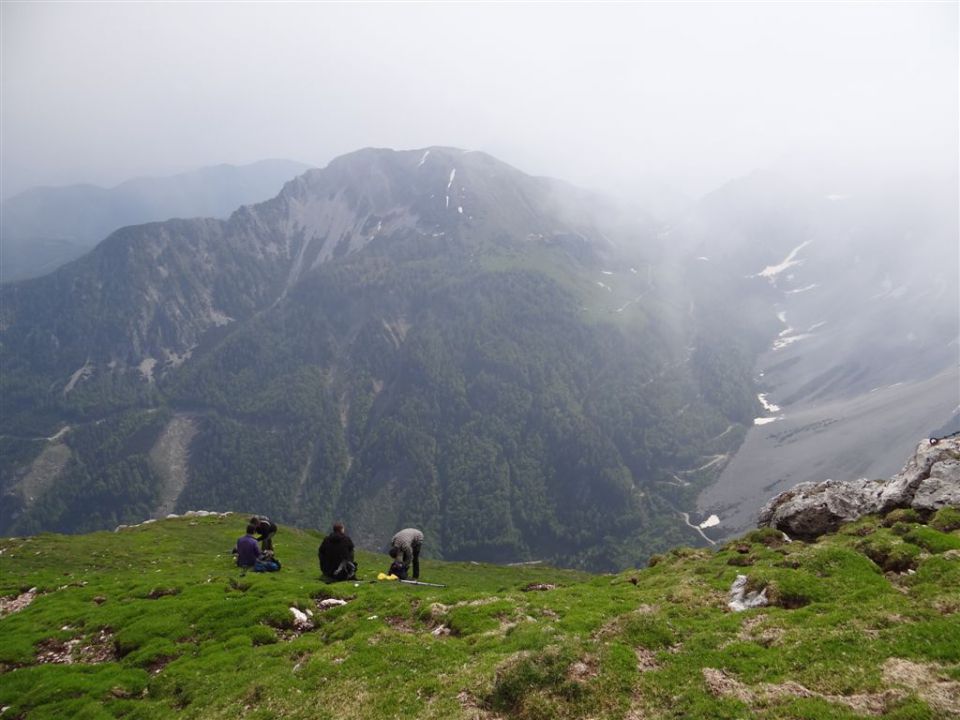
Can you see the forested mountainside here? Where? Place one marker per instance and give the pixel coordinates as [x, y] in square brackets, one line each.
[424, 338]
[45, 227]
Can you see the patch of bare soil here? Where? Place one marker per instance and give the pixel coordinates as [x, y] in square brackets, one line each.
[400, 624]
[8, 606]
[157, 665]
[927, 681]
[583, 669]
[753, 630]
[541, 587]
[720, 684]
[646, 660]
[473, 709]
[91, 651]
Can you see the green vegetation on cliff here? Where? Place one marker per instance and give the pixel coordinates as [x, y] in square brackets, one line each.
[155, 620]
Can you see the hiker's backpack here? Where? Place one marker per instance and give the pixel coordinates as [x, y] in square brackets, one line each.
[269, 565]
[398, 569]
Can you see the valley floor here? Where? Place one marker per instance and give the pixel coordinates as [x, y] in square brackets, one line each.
[865, 436]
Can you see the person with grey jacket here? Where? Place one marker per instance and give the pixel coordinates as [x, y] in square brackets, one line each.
[408, 543]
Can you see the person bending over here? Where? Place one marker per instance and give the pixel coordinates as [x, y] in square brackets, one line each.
[267, 529]
[408, 542]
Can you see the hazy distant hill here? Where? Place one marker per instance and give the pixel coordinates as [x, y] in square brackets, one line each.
[429, 338]
[44, 227]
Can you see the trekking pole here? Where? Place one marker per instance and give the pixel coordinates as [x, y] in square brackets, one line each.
[417, 582]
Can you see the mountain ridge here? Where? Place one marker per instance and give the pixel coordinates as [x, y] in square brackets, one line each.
[45, 227]
[423, 325]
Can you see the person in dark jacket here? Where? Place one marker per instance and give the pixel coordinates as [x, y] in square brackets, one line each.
[336, 555]
[247, 550]
[267, 529]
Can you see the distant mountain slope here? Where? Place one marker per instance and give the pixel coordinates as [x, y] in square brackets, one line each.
[427, 337]
[44, 227]
[863, 279]
[155, 620]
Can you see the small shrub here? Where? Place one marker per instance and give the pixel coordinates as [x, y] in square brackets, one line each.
[946, 519]
[771, 537]
[932, 540]
[262, 635]
[889, 555]
[901, 515]
[528, 675]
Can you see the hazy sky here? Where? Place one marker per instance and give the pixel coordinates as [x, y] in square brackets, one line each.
[605, 95]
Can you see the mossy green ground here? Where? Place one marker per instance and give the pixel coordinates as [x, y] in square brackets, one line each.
[185, 632]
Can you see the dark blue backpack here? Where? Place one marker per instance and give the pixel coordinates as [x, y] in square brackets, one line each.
[270, 565]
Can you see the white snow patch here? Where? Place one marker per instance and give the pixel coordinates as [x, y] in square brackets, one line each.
[705, 259]
[766, 421]
[220, 319]
[423, 159]
[605, 287]
[606, 272]
[633, 270]
[782, 316]
[805, 288]
[453, 174]
[817, 325]
[711, 521]
[146, 367]
[460, 209]
[771, 271]
[81, 374]
[767, 405]
[448, 201]
[790, 340]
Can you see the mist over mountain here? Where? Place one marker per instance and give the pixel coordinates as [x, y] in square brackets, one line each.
[428, 337]
[44, 227]
[862, 278]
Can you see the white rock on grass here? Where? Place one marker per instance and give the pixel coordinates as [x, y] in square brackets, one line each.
[741, 600]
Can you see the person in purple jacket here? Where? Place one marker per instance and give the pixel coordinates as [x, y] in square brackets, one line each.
[248, 549]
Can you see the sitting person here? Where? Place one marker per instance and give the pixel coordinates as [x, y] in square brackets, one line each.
[336, 555]
[247, 549]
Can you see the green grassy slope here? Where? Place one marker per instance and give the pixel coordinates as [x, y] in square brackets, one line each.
[157, 621]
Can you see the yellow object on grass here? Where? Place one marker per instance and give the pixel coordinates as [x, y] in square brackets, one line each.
[384, 576]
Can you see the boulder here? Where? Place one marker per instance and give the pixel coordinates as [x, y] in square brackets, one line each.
[929, 481]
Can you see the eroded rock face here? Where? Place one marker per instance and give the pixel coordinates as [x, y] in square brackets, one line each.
[929, 481]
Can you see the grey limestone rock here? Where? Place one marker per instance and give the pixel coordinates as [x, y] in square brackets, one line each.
[929, 481]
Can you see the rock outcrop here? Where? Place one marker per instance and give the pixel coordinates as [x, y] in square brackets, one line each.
[929, 481]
